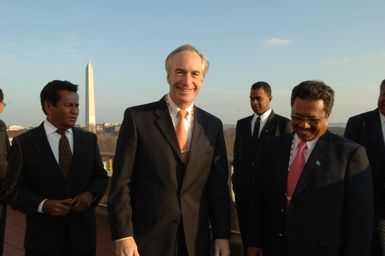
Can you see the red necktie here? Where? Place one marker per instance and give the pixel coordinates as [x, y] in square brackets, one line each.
[295, 170]
[65, 154]
[181, 134]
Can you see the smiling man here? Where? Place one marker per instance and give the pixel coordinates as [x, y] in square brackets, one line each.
[315, 190]
[170, 171]
[56, 178]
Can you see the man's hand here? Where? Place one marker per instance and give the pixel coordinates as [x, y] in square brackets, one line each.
[126, 247]
[221, 247]
[82, 202]
[57, 208]
[255, 251]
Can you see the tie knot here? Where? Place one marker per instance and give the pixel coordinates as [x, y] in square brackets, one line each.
[182, 113]
[61, 131]
[302, 145]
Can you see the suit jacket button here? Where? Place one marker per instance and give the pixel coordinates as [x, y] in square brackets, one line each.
[252, 164]
[280, 234]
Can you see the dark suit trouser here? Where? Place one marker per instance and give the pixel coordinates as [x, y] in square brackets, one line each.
[379, 238]
[243, 220]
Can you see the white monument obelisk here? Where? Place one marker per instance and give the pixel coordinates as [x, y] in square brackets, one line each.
[90, 99]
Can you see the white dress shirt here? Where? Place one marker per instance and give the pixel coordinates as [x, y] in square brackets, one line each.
[382, 118]
[263, 117]
[53, 140]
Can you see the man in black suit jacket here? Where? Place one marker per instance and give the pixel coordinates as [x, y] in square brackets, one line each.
[368, 129]
[315, 194]
[57, 196]
[250, 133]
[163, 195]
[4, 148]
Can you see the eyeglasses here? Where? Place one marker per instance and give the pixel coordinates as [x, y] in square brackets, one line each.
[310, 120]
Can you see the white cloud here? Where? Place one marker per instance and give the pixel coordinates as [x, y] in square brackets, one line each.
[277, 42]
[362, 59]
[338, 62]
[375, 56]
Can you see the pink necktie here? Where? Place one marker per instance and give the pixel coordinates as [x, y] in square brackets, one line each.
[295, 170]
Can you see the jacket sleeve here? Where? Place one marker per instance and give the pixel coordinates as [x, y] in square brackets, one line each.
[119, 202]
[218, 190]
[359, 205]
[352, 129]
[13, 191]
[99, 180]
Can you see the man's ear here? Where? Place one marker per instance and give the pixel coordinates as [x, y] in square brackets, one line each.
[47, 106]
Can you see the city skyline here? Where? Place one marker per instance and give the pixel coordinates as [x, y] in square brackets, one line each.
[283, 42]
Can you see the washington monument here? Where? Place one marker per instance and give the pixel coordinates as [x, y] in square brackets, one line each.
[90, 99]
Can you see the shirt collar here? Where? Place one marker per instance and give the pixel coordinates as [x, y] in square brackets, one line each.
[174, 109]
[50, 128]
[382, 116]
[310, 144]
[264, 116]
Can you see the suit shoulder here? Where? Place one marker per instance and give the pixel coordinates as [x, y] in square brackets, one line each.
[245, 120]
[207, 115]
[363, 116]
[143, 107]
[281, 119]
[2, 125]
[343, 142]
[83, 132]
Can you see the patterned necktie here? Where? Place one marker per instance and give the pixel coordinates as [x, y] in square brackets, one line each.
[257, 125]
[181, 134]
[65, 154]
[295, 170]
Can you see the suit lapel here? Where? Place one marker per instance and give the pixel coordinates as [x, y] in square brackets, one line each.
[78, 147]
[317, 161]
[164, 123]
[376, 130]
[197, 134]
[267, 126]
[41, 145]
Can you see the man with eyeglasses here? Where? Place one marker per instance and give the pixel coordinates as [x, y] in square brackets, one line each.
[250, 133]
[368, 129]
[315, 189]
[4, 148]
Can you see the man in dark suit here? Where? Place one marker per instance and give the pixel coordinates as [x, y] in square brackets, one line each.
[4, 148]
[170, 178]
[368, 129]
[57, 179]
[315, 193]
[250, 133]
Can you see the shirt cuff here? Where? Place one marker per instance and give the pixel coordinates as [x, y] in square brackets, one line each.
[121, 239]
[40, 209]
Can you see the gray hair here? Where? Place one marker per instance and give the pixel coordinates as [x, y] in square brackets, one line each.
[187, 47]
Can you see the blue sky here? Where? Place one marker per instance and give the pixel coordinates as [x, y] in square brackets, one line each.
[281, 42]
